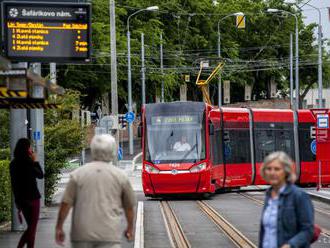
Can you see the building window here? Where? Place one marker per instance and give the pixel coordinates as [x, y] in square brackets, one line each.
[323, 103]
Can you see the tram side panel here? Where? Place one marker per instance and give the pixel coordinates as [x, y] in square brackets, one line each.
[273, 131]
[307, 145]
[307, 132]
[216, 150]
[237, 147]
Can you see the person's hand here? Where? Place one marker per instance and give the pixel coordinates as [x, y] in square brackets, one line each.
[34, 156]
[129, 233]
[59, 236]
[286, 246]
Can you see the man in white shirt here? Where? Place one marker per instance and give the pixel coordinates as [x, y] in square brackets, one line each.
[182, 145]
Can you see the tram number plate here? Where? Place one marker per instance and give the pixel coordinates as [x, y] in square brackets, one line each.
[313, 132]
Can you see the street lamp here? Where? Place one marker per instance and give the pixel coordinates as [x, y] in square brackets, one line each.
[297, 50]
[129, 73]
[219, 52]
[320, 59]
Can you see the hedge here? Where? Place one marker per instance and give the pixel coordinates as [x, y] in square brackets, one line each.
[5, 191]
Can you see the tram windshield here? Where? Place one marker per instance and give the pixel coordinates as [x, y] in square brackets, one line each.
[176, 139]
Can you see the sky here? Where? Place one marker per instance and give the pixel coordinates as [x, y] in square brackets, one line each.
[312, 15]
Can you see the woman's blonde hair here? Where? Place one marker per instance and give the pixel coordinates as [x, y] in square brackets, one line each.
[284, 160]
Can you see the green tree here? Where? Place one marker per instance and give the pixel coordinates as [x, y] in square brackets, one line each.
[254, 55]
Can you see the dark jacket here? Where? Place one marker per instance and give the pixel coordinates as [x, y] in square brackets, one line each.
[23, 173]
[295, 221]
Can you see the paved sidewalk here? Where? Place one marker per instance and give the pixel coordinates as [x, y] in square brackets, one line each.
[46, 228]
[322, 195]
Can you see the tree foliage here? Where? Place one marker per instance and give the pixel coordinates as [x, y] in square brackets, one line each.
[189, 28]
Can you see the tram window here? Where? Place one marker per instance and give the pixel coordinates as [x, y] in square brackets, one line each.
[265, 143]
[305, 141]
[285, 142]
[271, 140]
[237, 146]
[216, 142]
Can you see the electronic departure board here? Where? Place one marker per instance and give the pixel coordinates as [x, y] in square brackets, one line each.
[51, 32]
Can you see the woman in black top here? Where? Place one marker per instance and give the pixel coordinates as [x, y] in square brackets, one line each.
[24, 170]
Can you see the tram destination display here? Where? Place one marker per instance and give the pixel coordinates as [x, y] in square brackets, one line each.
[53, 32]
[178, 119]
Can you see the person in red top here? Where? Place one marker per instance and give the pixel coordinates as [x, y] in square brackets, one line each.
[24, 170]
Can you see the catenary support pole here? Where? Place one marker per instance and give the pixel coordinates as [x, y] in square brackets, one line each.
[291, 71]
[297, 64]
[143, 69]
[17, 129]
[162, 68]
[219, 78]
[113, 49]
[37, 126]
[130, 109]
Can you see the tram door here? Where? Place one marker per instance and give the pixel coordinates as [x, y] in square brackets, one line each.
[216, 150]
[237, 148]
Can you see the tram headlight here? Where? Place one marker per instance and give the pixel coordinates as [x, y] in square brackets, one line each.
[198, 168]
[151, 169]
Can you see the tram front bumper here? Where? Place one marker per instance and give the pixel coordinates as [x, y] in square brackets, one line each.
[179, 182]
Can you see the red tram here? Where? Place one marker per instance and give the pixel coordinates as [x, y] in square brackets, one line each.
[191, 147]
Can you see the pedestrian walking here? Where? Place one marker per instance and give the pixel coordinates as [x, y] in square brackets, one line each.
[98, 192]
[24, 170]
[288, 214]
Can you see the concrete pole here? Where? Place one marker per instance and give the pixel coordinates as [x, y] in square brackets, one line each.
[320, 59]
[320, 69]
[219, 78]
[18, 129]
[162, 68]
[53, 74]
[143, 69]
[129, 81]
[297, 64]
[291, 71]
[113, 49]
[37, 126]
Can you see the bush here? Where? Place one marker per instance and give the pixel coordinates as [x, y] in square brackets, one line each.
[5, 154]
[5, 191]
[62, 140]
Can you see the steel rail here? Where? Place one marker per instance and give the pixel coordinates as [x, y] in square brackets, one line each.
[173, 227]
[325, 231]
[235, 235]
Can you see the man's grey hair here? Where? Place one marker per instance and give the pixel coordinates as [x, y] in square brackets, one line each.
[284, 160]
[104, 148]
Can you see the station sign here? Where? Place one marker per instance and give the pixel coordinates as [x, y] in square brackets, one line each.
[13, 73]
[323, 121]
[47, 32]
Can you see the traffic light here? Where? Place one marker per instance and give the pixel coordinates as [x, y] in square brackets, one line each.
[122, 122]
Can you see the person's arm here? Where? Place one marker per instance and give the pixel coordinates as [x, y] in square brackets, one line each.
[67, 203]
[128, 199]
[63, 213]
[305, 217]
[36, 168]
[37, 171]
[129, 213]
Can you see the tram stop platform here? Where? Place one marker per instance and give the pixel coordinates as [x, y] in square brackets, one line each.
[45, 237]
[322, 195]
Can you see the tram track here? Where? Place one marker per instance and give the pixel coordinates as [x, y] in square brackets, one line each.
[179, 239]
[175, 232]
[232, 233]
[325, 231]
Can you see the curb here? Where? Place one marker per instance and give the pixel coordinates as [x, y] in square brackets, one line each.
[319, 198]
[5, 226]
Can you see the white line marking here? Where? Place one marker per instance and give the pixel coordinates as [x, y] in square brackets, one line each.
[139, 229]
